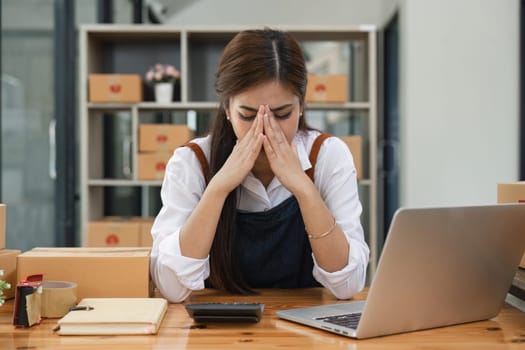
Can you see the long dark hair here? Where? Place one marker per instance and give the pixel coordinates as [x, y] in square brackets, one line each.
[252, 57]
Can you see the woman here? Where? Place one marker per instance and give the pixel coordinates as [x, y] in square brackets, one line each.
[259, 203]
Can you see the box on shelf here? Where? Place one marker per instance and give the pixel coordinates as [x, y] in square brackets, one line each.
[162, 137]
[145, 224]
[327, 88]
[115, 88]
[2, 225]
[99, 272]
[145, 232]
[354, 143]
[512, 192]
[8, 264]
[152, 165]
[114, 232]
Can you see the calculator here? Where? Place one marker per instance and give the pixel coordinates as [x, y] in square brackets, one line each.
[225, 312]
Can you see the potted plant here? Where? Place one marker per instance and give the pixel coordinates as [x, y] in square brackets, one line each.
[163, 77]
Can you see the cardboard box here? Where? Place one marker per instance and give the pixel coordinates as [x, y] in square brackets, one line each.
[115, 88]
[152, 165]
[327, 88]
[99, 272]
[162, 137]
[512, 192]
[8, 264]
[354, 143]
[2, 225]
[114, 232]
[145, 232]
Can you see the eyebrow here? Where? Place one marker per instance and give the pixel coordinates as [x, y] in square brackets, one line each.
[276, 109]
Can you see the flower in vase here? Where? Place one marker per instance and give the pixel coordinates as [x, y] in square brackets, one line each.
[162, 74]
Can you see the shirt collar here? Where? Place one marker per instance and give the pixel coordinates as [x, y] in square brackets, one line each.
[302, 152]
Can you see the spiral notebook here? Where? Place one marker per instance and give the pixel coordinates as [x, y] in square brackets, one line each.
[114, 316]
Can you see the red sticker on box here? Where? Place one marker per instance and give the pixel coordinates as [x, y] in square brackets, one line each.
[112, 239]
[160, 166]
[115, 88]
[162, 138]
[320, 88]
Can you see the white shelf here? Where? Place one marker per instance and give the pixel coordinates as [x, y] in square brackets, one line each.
[102, 42]
[153, 106]
[109, 106]
[178, 106]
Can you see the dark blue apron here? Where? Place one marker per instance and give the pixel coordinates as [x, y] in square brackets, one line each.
[272, 248]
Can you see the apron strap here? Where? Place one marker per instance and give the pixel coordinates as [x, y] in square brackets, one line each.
[314, 152]
[201, 157]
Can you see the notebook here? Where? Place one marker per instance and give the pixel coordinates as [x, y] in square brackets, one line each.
[439, 267]
[104, 316]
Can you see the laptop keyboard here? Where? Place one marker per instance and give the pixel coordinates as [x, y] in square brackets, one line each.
[346, 320]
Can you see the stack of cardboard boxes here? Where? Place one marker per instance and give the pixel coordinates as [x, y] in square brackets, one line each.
[156, 145]
[7, 257]
[98, 272]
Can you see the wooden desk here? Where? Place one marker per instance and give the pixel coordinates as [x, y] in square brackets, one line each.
[178, 331]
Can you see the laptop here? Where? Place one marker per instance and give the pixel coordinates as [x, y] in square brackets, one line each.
[439, 267]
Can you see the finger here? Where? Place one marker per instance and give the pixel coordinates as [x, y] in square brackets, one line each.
[254, 137]
[255, 128]
[259, 121]
[294, 148]
[268, 149]
[274, 130]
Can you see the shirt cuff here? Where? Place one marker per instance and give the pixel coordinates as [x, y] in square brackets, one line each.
[350, 279]
[190, 272]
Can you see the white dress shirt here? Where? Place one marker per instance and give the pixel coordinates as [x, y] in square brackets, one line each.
[176, 275]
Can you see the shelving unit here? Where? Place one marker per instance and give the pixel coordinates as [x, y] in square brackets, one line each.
[196, 52]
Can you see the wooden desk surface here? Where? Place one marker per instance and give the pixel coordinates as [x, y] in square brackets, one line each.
[506, 331]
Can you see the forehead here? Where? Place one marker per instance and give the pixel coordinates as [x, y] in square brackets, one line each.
[272, 93]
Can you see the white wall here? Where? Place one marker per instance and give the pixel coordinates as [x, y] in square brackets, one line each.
[459, 100]
[274, 12]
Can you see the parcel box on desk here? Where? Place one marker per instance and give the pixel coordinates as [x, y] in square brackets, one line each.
[354, 143]
[114, 232]
[512, 192]
[152, 165]
[115, 88]
[327, 88]
[8, 264]
[162, 137]
[98, 272]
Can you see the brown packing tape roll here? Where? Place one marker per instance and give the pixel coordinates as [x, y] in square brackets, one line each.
[57, 298]
[33, 307]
